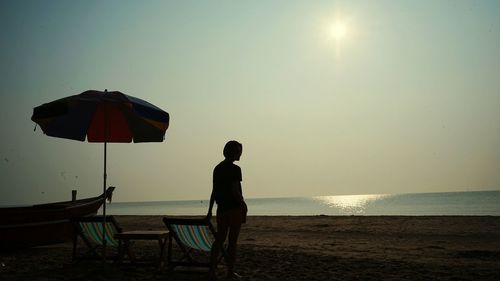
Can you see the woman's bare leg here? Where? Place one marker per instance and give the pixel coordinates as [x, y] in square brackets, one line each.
[234, 232]
[220, 237]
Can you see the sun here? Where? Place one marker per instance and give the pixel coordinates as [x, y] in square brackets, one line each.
[339, 30]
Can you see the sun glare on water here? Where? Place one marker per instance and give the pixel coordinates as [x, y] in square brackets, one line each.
[354, 204]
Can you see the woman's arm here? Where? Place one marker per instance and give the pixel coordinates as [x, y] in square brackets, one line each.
[211, 205]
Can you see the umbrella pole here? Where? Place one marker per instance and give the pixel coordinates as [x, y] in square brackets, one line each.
[104, 186]
[104, 205]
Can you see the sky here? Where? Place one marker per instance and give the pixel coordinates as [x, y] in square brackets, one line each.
[327, 97]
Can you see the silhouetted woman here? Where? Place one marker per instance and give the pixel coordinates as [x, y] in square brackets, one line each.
[231, 208]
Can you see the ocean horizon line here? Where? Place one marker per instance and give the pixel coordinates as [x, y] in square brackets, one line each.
[426, 203]
[318, 196]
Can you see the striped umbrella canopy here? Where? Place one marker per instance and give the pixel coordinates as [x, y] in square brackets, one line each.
[102, 117]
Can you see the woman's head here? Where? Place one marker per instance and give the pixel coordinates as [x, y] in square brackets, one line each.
[232, 150]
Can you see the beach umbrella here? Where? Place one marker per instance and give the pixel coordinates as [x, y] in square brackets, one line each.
[102, 117]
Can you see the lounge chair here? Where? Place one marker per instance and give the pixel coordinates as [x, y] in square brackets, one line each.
[89, 229]
[191, 236]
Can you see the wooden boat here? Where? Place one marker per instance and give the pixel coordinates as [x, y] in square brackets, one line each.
[45, 224]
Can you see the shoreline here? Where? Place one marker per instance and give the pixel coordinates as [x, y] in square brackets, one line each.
[305, 248]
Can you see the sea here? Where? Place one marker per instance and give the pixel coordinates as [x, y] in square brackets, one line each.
[474, 203]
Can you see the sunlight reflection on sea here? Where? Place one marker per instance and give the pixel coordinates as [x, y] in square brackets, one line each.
[350, 204]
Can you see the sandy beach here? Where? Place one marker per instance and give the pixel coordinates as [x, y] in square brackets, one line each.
[302, 248]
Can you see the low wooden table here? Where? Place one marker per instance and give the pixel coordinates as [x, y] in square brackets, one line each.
[160, 235]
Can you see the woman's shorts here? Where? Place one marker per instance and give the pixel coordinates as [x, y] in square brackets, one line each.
[233, 217]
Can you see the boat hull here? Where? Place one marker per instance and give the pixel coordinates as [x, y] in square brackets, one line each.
[37, 234]
[44, 224]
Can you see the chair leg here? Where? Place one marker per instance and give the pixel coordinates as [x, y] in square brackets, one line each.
[162, 243]
[75, 242]
[169, 254]
[120, 251]
[130, 253]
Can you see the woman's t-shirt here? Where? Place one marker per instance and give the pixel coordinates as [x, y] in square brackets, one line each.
[226, 174]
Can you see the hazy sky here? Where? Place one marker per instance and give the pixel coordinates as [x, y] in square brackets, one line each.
[327, 97]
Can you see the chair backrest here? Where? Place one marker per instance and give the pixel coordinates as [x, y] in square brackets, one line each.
[91, 228]
[195, 236]
[193, 233]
